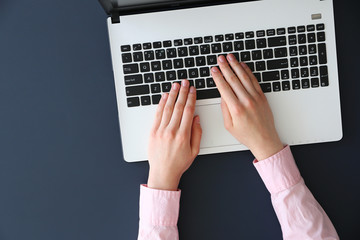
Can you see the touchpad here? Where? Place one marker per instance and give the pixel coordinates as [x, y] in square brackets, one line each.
[214, 133]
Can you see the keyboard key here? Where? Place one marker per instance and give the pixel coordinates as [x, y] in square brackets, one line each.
[236, 55]
[229, 37]
[240, 35]
[200, 83]
[270, 76]
[200, 61]
[149, 55]
[313, 60]
[321, 37]
[204, 72]
[305, 83]
[130, 68]
[167, 43]
[125, 48]
[137, 47]
[315, 82]
[208, 39]
[155, 88]
[160, 54]
[133, 102]
[312, 49]
[295, 73]
[281, 31]
[138, 56]
[304, 61]
[270, 32]
[145, 100]
[156, 99]
[147, 46]
[301, 29]
[188, 41]
[189, 62]
[249, 34]
[178, 63]
[137, 90]
[193, 73]
[159, 76]
[198, 40]
[293, 51]
[182, 74]
[322, 53]
[170, 75]
[133, 79]
[260, 33]
[311, 37]
[292, 40]
[260, 66]
[268, 53]
[256, 55]
[324, 77]
[277, 41]
[280, 52]
[294, 62]
[211, 59]
[145, 67]
[245, 56]
[277, 64]
[183, 52]
[314, 71]
[219, 38]
[320, 27]
[285, 74]
[205, 49]
[167, 64]
[304, 72]
[207, 94]
[194, 50]
[310, 28]
[178, 42]
[166, 87]
[261, 43]
[265, 87]
[157, 44]
[239, 45]
[303, 50]
[296, 84]
[126, 57]
[227, 47]
[210, 83]
[216, 48]
[148, 77]
[191, 83]
[285, 85]
[276, 86]
[155, 66]
[171, 53]
[250, 44]
[291, 30]
[301, 38]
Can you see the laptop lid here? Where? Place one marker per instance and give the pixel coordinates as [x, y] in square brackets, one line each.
[117, 8]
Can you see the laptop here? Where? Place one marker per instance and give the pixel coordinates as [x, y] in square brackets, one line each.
[289, 44]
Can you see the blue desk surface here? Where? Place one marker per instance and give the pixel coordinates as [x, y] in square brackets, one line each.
[62, 175]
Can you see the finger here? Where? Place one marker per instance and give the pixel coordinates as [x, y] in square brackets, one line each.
[252, 77]
[159, 111]
[196, 133]
[179, 105]
[228, 123]
[224, 88]
[231, 78]
[242, 74]
[189, 110]
[169, 106]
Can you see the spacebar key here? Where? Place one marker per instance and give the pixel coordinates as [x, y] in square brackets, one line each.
[208, 93]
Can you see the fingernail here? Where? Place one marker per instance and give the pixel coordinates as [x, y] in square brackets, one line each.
[184, 83]
[214, 69]
[175, 86]
[197, 119]
[230, 57]
[164, 96]
[192, 90]
[222, 59]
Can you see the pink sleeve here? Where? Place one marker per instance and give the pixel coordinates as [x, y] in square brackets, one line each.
[159, 212]
[299, 214]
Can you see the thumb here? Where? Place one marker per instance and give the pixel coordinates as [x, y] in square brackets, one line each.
[196, 133]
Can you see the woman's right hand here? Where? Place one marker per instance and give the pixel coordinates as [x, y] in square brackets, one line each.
[247, 114]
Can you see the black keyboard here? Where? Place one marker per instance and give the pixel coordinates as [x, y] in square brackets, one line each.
[281, 59]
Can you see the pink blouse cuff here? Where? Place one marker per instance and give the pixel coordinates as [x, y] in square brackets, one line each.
[278, 172]
[159, 207]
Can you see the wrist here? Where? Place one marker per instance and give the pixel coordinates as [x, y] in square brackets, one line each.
[267, 149]
[162, 181]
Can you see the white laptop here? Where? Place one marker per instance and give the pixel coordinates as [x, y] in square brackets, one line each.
[289, 44]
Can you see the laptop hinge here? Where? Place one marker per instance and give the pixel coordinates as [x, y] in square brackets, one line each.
[115, 17]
